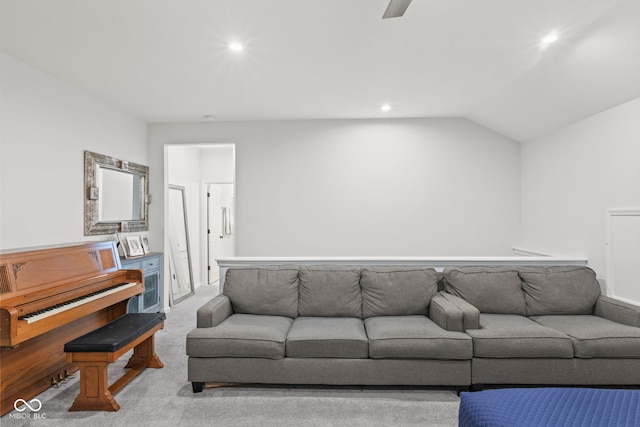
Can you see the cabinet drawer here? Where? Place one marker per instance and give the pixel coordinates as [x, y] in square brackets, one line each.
[150, 264]
[135, 265]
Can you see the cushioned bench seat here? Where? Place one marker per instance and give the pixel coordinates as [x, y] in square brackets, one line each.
[92, 353]
[115, 335]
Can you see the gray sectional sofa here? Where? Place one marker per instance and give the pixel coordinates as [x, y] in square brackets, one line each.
[360, 325]
[534, 325]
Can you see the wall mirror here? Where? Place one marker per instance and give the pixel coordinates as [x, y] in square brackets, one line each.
[116, 195]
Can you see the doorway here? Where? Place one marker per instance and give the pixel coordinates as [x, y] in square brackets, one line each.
[194, 167]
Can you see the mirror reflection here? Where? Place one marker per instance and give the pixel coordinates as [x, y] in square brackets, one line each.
[120, 195]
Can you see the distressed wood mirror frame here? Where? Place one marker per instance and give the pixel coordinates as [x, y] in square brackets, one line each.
[93, 225]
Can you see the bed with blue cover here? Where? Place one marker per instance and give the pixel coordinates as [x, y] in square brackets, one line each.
[550, 407]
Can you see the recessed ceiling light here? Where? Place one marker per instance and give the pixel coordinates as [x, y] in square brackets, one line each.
[236, 47]
[550, 38]
[385, 107]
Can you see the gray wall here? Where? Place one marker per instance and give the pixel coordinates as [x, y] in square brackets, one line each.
[361, 187]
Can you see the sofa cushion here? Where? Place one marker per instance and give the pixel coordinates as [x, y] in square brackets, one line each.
[330, 291]
[559, 290]
[264, 290]
[241, 335]
[342, 337]
[595, 337]
[495, 290]
[414, 337]
[397, 291]
[508, 336]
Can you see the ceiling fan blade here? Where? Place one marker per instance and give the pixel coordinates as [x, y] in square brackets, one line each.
[396, 8]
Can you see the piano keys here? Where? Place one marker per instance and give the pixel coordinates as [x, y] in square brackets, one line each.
[49, 297]
[77, 302]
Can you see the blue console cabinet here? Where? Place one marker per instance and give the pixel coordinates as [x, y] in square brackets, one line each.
[151, 300]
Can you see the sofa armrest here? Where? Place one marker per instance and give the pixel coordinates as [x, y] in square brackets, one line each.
[445, 314]
[470, 314]
[214, 312]
[618, 311]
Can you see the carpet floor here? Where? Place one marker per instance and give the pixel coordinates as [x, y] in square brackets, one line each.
[163, 397]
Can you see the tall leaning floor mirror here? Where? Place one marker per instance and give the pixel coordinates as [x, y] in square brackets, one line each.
[180, 270]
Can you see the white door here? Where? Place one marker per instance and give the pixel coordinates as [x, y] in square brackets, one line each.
[214, 229]
[624, 254]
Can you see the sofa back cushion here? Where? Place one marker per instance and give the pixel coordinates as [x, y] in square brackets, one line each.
[559, 290]
[496, 290]
[330, 291]
[397, 291]
[264, 290]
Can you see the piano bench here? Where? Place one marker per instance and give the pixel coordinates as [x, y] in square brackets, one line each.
[92, 353]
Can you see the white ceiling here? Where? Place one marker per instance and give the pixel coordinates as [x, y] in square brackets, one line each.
[168, 61]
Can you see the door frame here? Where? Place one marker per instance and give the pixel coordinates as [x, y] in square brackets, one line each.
[199, 245]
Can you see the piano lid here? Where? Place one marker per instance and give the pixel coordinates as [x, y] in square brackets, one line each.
[26, 272]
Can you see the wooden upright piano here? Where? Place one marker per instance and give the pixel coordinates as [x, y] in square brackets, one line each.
[49, 297]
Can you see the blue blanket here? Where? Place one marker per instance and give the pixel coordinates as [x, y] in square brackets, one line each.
[537, 407]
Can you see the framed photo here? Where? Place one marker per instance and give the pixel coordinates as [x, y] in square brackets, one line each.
[145, 244]
[133, 246]
[121, 245]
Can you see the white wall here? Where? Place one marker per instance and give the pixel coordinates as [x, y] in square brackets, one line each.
[45, 127]
[217, 163]
[572, 176]
[362, 187]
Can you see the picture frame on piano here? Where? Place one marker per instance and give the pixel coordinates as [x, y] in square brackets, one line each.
[133, 246]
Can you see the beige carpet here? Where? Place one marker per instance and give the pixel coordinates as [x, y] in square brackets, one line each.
[163, 397]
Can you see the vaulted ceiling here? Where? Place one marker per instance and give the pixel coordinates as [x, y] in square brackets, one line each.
[169, 60]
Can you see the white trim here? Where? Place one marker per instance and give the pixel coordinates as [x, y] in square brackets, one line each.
[610, 274]
[624, 212]
[441, 261]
